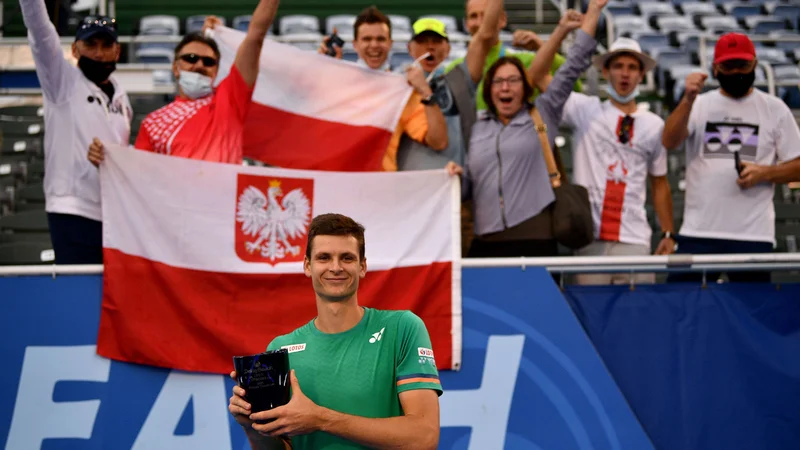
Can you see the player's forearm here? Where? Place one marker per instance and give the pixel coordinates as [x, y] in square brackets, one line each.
[787, 172]
[393, 433]
[262, 19]
[539, 70]
[436, 138]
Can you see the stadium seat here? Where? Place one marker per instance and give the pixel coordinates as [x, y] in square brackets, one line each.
[241, 23]
[350, 55]
[342, 22]
[195, 23]
[630, 24]
[786, 46]
[772, 55]
[650, 9]
[621, 9]
[401, 23]
[25, 222]
[740, 10]
[299, 24]
[765, 24]
[668, 24]
[695, 8]
[400, 59]
[153, 53]
[788, 72]
[161, 25]
[6, 238]
[719, 23]
[788, 12]
[668, 57]
[25, 253]
[650, 41]
[31, 193]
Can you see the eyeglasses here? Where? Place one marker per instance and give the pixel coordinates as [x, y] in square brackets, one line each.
[510, 80]
[101, 21]
[192, 58]
[625, 129]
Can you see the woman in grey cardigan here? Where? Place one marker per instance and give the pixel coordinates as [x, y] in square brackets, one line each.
[505, 174]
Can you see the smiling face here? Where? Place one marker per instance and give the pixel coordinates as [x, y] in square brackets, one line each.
[334, 267]
[507, 90]
[372, 44]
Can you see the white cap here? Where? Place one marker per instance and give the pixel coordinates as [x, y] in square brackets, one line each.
[624, 45]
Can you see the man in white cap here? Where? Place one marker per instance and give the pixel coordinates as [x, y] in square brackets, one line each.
[617, 147]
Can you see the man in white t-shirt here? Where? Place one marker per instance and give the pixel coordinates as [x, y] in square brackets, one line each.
[618, 148]
[726, 211]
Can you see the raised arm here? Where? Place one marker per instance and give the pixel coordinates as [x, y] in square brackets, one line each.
[578, 59]
[539, 71]
[676, 128]
[250, 51]
[481, 43]
[55, 73]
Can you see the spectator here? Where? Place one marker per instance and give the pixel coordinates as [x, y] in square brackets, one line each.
[454, 92]
[203, 123]
[372, 40]
[729, 208]
[613, 162]
[475, 10]
[505, 173]
[79, 103]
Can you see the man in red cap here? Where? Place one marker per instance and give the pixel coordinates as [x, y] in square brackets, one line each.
[740, 143]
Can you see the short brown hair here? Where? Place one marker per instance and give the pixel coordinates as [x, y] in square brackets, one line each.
[527, 89]
[371, 15]
[336, 225]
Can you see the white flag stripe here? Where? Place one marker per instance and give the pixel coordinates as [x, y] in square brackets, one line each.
[181, 212]
[313, 85]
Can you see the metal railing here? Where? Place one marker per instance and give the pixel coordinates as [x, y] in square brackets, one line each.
[559, 264]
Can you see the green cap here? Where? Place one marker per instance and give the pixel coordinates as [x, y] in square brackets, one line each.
[429, 25]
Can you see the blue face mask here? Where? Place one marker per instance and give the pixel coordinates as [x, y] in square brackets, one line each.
[194, 85]
[620, 99]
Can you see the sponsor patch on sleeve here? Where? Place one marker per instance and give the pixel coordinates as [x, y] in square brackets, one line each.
[295, 347]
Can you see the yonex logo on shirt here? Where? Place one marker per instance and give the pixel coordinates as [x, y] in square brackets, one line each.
[376, 336]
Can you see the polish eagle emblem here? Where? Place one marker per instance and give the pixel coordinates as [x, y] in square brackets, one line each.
[273, 219]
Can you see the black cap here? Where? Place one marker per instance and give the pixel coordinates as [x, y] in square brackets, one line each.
[92, 26]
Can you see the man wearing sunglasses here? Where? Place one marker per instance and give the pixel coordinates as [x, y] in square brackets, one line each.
[79, 103]
[203, 122]
[617, 150]
[729, 205]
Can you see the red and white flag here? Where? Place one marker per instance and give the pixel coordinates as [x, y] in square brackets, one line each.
[311, 111]
[194, 273]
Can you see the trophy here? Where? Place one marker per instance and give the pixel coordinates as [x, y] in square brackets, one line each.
[264, 378]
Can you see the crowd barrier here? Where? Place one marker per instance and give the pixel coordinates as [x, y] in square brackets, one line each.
[665, 366]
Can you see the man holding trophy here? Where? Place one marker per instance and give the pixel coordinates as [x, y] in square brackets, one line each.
[368, 376]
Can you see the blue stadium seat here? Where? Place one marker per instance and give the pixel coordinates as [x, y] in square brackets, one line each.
[621, 9]
[772, 55]
[786, 46]
[351, 56]
[299, 24]
[789, 12]
[651, 41]
[400, 59]
[195, 23]
[740, 10]
[765, 24]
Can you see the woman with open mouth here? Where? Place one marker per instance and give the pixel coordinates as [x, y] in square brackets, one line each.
[505, 174]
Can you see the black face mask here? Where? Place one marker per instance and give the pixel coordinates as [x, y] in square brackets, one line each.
[96, 71]
[737, 85]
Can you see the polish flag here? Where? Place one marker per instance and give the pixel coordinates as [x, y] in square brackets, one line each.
[311, 111]
[193, 274]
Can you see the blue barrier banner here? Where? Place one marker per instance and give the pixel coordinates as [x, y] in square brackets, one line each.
[531, 378]
[713, 368]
